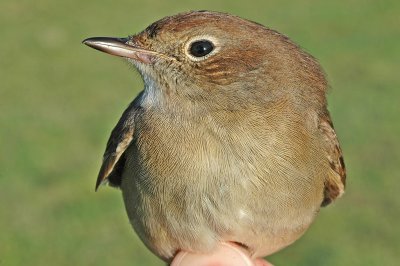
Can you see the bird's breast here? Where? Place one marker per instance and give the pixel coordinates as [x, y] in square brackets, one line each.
[189, 183]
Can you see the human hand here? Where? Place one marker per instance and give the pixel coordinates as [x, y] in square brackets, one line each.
[226, 254]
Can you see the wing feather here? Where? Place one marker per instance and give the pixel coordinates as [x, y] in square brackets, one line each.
[114, 158]
[336, 179]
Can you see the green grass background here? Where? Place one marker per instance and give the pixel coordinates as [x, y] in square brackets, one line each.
[60, 99]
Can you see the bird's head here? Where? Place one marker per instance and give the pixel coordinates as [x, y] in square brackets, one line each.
[216, 59]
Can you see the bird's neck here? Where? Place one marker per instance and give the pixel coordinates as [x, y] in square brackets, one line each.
[163, 100]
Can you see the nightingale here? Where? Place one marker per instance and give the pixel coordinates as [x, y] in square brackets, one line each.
[229, 141]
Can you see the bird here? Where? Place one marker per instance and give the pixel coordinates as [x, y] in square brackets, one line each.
[230, 139]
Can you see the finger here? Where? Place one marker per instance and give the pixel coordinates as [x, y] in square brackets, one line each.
[224, 255]
[261, 262]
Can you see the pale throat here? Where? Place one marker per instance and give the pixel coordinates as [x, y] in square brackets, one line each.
[164, 100]
[153, 95]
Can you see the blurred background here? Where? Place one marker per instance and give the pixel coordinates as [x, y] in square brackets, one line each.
[60, 100]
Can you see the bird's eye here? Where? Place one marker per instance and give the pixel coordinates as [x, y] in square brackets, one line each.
[201, 48]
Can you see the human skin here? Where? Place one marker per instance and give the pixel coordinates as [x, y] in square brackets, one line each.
[226, 254]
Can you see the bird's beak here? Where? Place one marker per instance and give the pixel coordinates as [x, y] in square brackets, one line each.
[120, 47]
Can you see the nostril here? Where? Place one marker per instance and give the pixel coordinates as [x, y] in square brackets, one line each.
[124, 40]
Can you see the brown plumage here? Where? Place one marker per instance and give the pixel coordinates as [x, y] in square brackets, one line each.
[230, 139]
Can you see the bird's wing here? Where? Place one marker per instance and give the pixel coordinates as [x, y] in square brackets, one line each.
[114, 157]
[336, 178]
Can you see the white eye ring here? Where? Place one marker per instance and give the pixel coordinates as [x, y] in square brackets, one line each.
[212, 40]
